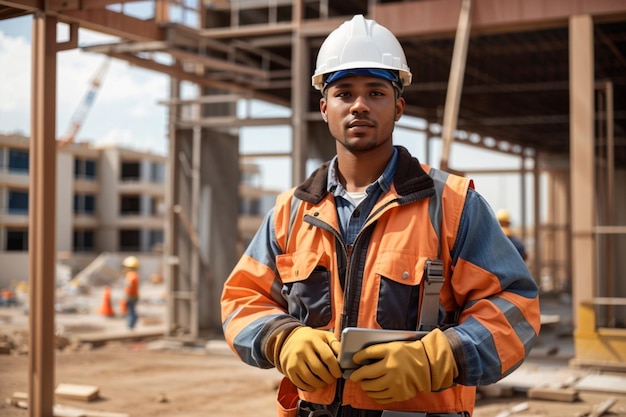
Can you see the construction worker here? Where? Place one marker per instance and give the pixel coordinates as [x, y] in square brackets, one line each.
[356, 244]
[131, 291]
[505, 223]
[7, 298]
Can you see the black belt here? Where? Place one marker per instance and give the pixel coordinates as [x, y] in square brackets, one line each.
[306, 409]
[417, 414]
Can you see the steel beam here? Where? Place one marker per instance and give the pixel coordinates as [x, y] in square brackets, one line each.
[428, 18]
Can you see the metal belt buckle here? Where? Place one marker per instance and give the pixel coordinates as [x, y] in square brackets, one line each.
[320, 413]
[305, 410]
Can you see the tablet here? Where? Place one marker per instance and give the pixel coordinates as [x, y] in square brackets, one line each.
[354, 339]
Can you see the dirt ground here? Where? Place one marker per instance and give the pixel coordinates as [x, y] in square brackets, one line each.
[157, 377]
[142, 382]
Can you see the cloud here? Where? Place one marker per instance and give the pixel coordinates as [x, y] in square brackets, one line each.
[15, 74]
[125, 109]
[135, 84]
[116, 136]
[128, 138]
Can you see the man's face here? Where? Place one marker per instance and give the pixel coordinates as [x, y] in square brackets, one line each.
[361, 112]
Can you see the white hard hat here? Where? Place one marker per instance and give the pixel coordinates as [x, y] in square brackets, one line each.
[360, 43]
[130, 262]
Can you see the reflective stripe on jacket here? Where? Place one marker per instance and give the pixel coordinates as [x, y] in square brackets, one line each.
[298, 270]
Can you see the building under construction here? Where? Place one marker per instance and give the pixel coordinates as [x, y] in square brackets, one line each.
[543, 80]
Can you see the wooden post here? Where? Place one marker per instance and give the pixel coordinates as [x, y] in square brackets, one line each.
[582, 173]
[42, 216]
[455, 82]
[299, 96]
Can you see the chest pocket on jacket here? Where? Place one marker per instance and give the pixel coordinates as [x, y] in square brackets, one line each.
[306, 286]
[398, 297]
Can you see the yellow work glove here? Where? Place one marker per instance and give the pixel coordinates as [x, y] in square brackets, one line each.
[402, 369]
[308, 357]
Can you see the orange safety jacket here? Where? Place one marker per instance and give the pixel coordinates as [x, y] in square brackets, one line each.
[132, 285]
[297, 270]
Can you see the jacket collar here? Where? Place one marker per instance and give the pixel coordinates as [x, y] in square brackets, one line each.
[410, 180]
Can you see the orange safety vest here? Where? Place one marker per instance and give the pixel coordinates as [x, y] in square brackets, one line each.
[132, 285]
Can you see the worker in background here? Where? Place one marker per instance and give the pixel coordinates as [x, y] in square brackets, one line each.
[131, 291]
[505, 223]
[7, 298]
[349, 248]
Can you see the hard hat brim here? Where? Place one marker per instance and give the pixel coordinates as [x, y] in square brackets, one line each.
[318, 79]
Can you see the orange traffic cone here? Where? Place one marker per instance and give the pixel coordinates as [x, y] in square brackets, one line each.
[123, 307]
[105, 308]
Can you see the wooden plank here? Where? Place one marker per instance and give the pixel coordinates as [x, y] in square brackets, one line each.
[20, 400]
[64, 411]
[77, 392]
[512, 410]
[553, 394]
[528, 376]
[602, 383]
[603, 407]
[18, 397]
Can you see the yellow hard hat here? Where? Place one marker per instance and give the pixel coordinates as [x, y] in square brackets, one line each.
[130, 262]
[503, 216]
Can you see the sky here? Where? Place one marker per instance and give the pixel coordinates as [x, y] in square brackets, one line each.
[127, 111]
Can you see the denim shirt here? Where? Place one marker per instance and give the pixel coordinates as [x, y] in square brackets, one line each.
[351, 217]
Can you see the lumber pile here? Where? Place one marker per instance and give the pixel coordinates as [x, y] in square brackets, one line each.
[69, 391]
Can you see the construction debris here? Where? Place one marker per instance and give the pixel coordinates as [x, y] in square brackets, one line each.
[561, 391]
[63, 411]
[602, 383]
[20, 400]
[515, 409]
[77, 392]
[17, 397]
[601, 408]
[553, 394]
[6, 345]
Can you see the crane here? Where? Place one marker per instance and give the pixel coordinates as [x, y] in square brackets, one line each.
[85, 105]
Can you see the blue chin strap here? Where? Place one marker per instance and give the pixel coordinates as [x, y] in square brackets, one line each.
[385, 74]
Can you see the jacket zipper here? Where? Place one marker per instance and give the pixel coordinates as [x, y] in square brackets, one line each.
[348, 251]
[347, 286]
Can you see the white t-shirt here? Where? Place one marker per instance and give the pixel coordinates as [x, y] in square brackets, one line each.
[357, 197]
